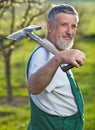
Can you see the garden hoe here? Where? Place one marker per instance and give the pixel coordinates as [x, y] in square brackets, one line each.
[45, 43]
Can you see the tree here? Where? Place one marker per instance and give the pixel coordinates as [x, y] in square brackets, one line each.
[15, 15]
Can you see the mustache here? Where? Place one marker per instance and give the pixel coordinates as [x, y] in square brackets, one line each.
[68, 36]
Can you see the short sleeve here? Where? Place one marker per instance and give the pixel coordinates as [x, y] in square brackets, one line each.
[39, 58]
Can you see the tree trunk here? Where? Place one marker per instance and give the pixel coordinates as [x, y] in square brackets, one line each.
[8, 77]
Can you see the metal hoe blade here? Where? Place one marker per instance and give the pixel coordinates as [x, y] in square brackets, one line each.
[20, 34]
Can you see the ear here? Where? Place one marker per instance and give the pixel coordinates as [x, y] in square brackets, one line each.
[49, 26]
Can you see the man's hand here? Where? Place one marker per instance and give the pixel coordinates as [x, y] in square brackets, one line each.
[72, 56]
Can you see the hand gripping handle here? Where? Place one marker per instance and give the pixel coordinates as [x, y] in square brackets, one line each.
[67, 67]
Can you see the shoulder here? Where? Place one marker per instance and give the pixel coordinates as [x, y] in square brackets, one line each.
[38, 58]
[40, 52]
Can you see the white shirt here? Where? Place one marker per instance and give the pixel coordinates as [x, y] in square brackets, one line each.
[57, 98]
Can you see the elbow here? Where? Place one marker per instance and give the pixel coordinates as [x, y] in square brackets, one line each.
[32, 89]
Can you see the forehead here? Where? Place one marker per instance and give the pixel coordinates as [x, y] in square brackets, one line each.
[63, 17]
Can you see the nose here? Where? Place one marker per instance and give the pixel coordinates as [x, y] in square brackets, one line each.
[69, 30]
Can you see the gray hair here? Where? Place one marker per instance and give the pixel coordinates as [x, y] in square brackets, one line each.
[61, 8]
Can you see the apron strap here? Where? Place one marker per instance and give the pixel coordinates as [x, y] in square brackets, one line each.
[77, 94]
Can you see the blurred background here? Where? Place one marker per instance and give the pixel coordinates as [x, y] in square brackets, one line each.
[17, 14]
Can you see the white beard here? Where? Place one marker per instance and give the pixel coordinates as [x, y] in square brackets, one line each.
[64, 45]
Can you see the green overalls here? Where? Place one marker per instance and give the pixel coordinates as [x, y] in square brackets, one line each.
[40, 120]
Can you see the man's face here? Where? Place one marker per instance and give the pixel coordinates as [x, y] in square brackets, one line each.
[63, 30]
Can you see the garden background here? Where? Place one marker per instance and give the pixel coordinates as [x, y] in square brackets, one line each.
[14, 100]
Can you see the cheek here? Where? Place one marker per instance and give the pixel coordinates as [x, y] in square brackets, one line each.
[60, 31]
[55, 31]
[55, 34]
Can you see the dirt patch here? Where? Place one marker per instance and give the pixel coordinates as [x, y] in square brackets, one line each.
[16, 101]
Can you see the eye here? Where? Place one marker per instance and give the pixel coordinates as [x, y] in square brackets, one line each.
[64, 24]
[74, 26]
